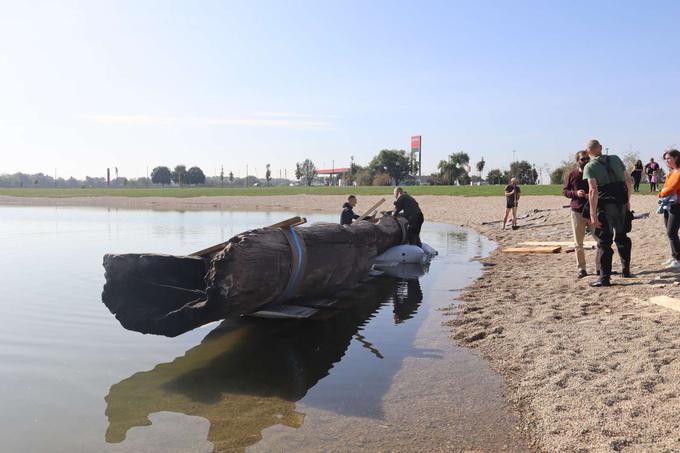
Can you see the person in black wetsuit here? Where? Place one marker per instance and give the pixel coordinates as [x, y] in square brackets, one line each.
[348, 215]
[411, 211]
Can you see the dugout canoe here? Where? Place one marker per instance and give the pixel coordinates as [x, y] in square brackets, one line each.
[169, 295]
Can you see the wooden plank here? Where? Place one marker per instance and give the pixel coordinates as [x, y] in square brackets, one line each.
[371, 209]
[556, 244]
[293, 221]
[665, 301]
[285, 312]
[532, 250]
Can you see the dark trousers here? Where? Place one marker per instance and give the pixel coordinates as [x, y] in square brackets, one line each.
[413, 229]
[636, 182]
[671, 219]
[613, 230]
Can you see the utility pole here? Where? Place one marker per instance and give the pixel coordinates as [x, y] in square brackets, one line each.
[246, 175]
[420, 157]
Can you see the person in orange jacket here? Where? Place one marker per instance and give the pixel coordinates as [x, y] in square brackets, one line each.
[671, 216]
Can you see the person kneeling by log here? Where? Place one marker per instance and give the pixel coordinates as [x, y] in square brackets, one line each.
[411, 211]
[348, 215]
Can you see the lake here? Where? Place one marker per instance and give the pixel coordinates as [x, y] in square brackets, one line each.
[378, 373]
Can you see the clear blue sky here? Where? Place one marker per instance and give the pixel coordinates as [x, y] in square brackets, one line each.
[95, 84]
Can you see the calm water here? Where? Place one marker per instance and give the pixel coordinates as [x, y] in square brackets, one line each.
[378, 374]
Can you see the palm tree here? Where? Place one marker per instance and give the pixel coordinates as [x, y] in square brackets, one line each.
[452, 169]
[480, 167]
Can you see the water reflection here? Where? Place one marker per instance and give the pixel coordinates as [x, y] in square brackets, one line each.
[247, 374]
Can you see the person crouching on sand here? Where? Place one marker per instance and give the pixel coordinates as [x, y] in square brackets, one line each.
[671, 216]
[512, 192]
[576, 188]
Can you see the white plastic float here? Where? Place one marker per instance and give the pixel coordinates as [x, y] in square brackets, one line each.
[405, 254]
[405, 261]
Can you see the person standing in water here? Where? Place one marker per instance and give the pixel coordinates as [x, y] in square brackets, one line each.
[512, 192]
[406, 204]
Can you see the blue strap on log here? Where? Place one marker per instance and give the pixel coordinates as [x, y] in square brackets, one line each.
[297, 262]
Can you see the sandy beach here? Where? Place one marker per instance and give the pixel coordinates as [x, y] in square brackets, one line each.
[586, 369]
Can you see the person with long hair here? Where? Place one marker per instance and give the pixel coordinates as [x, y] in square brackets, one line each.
[637, 175]
[671, 216]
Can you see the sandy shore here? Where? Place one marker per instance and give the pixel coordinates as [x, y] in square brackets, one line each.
[586, 369]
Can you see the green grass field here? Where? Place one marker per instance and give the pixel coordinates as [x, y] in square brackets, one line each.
[466, 191]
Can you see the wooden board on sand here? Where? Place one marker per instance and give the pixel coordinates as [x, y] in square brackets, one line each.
[666, 301]
[586, 244]
[555, 249]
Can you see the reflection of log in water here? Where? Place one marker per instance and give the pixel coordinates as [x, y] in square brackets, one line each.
[246, 375]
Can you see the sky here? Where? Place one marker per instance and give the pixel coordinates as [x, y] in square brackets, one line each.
[135, 84]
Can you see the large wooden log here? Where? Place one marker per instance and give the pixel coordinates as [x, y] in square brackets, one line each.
[163, 294]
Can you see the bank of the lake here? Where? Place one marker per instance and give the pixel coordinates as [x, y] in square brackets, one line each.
[587, 370]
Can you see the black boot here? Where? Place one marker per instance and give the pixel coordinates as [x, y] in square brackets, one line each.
[602, 281]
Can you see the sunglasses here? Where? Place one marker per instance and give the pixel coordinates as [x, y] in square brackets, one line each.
[585, 159]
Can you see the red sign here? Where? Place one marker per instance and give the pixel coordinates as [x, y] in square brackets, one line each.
[332, 171]
[415, 142]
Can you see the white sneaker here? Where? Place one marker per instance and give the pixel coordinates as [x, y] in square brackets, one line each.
[668, 261]
[673, 266]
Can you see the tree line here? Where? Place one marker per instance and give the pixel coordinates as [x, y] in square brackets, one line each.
[388, 167]
[394, 167]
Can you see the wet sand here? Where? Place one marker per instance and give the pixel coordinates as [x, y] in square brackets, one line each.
[586, 369]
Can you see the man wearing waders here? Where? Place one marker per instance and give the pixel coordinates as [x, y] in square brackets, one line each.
[609, 199]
